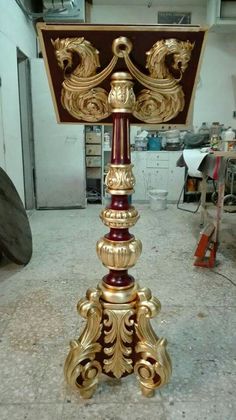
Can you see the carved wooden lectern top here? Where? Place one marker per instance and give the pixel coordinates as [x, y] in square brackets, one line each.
[163, 62]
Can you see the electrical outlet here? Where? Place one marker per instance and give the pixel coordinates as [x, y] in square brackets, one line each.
[234, 114]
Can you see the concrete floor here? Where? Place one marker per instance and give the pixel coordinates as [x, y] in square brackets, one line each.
[38, 318]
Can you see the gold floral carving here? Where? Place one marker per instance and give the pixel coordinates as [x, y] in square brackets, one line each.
[81, 367]
[118, 340]
[153, 369]
[120, 179]
[90, 105]
[161, 100]
[80, 95]
[118, 335]
[119, 255]
[121, 219]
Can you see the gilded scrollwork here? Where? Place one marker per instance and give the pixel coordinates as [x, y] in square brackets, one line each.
[121, 219]
[80, 95]
[161, 100]
[120, 179]
[153, 368]
[165, 103]
[118, 340]
[91, 105]
[81, 367]
[118, 337]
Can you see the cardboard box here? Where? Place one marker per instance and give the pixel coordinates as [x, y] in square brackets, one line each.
[94, 162]
[93, 149]
[93, 137]
[93, 173]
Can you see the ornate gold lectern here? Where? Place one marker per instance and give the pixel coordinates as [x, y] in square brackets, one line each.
[120, 75]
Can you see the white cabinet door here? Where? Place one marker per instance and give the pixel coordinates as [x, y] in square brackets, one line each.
[176, 176]
[59, 150]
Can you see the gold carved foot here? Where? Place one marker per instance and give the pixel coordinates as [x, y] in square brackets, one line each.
[82, 367]
[153, 365]
[118, 340]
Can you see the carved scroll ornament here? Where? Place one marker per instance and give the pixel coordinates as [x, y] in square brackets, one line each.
[162, 97]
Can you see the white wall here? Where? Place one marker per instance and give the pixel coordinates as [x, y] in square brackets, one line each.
[15, 31]
[139, 14]
[214, 96]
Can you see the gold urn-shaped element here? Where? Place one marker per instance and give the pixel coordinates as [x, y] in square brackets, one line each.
[121, 97]
[119, 255]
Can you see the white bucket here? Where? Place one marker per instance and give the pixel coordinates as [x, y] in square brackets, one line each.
[158, 199]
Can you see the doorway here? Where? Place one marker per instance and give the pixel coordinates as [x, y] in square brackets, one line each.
[26, 121]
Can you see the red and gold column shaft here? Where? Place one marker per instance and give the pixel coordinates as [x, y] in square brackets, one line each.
[118, 339]
[119, 250]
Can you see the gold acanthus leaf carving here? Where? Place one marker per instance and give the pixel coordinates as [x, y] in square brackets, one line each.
[80, 95]
[152, 106]
[120, 178]
[154, 366]
[160, 101]
[155, 107]
[163, 98]
[156, 58]
[91, 105]
[78, 373]
[89, 56]
[118, 330]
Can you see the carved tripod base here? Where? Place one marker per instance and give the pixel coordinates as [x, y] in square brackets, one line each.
[118, 340]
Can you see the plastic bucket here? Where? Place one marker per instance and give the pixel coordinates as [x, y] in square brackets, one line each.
[158, 199]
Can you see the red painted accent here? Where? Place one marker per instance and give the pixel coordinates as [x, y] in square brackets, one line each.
[118, 278]
[120, 154]
[119, 202]
[120, 136]
[119, 235]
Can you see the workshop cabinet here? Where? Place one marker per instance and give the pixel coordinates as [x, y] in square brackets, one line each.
[175, 176]
[93, 159]
[157, 170]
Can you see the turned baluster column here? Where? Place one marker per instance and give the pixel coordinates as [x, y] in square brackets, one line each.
[119, 250]
[118, 338]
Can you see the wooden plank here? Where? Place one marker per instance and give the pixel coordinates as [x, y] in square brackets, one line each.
[221, 153]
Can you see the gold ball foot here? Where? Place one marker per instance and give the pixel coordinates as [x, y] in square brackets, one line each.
[86, 394]
[147, 392]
